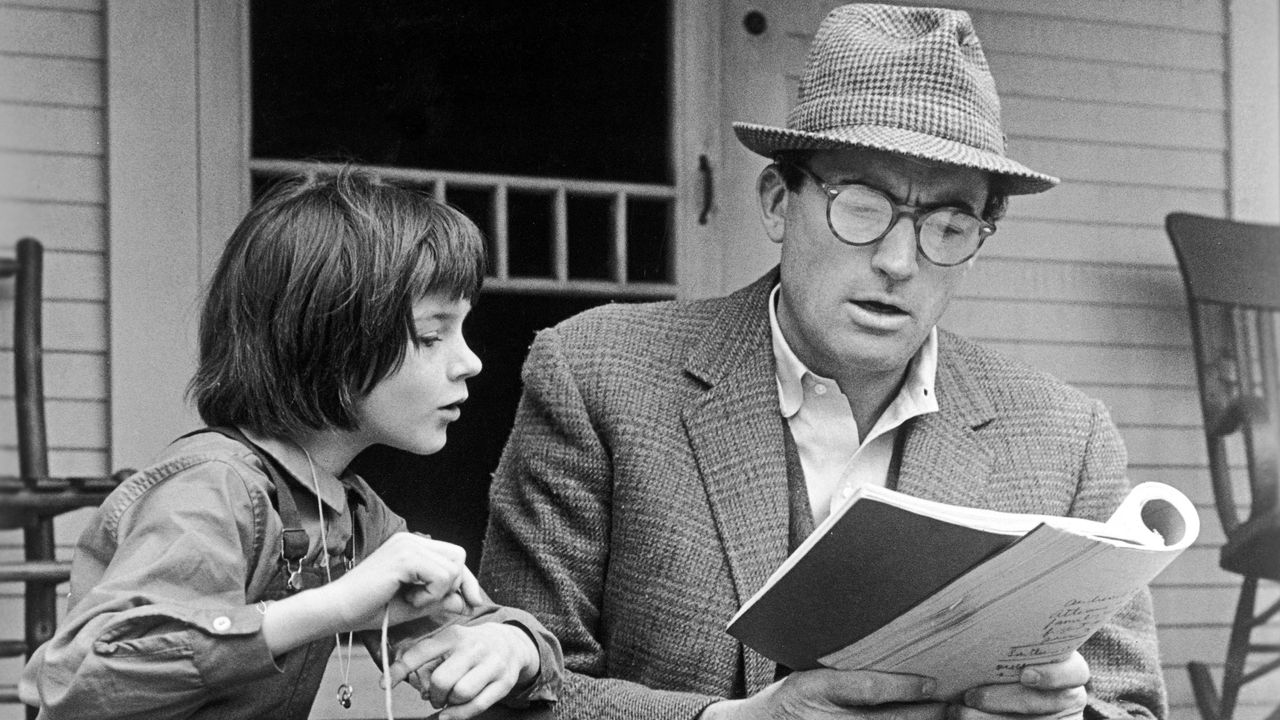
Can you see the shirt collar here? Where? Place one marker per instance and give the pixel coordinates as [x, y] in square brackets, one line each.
[915, 397]
[332, 494]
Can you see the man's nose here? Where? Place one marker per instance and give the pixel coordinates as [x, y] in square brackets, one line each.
[895, 254]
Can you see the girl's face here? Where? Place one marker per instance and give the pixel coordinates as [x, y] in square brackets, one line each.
[411, 408]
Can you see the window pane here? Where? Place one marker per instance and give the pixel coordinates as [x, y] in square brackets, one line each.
[525, 87]
[590, 237]
[649, 230]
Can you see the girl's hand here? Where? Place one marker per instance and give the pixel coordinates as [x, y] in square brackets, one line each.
[411, 573]
[464, 669]
[410, 576]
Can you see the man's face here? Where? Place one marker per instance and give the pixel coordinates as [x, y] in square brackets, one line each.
[863, 311]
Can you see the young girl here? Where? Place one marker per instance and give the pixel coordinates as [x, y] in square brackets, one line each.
[213, 583]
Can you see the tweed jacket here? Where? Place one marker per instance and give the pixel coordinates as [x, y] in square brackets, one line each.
[643, 497]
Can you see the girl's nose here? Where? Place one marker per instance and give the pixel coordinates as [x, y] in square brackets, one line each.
[468, 364]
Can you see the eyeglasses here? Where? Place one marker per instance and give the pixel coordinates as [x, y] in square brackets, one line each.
[945, 236]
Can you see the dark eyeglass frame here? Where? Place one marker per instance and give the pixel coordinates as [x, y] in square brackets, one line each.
[917, 214]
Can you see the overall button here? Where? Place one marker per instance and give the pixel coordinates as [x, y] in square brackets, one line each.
[222, 623]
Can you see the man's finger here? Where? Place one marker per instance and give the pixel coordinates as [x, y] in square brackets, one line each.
[428, 651]
[1072, 672]
[856, 688]
[1021, 700]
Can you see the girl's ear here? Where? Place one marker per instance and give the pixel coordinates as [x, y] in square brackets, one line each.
[773, 202]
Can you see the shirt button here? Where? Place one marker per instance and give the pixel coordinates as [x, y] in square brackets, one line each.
[820, 389]
[222, 623]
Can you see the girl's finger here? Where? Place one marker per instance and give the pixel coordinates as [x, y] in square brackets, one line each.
[470, 589]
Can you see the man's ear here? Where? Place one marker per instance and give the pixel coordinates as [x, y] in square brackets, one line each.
[773, 202]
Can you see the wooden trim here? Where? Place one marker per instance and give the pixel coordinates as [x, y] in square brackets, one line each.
[153, 189]
[1253, 79]
[223, 124]
[697, 113]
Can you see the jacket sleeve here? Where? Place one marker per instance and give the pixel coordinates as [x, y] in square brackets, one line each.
[547, 546]
[167, 623]
[1123, 657]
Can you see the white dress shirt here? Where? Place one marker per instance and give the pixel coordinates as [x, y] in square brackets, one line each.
[835, 463]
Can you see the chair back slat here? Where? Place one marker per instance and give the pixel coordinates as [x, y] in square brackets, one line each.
[1226, 261]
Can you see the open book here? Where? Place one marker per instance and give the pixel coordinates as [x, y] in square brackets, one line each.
[894, 583]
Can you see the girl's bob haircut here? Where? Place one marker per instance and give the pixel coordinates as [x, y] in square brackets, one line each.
[312, 301]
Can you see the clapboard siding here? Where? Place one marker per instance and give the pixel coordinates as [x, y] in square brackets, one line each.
[59, 225]
[67, 376]
[1085, 365]
[51, 81]
[41, 32]
[52, 188]
[1099, 38]
[1094, 80]
[1129, 243]
[52, 177]
[1095, 162]
[72, 424]
[999, 319]
[1119, 286]
[1109, 203]
[51, 128]
[64, 462]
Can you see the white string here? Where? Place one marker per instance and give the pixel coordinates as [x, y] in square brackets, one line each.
[386, 662]
[328, 574]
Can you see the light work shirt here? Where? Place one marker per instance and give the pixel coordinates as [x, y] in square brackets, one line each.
[835, 464]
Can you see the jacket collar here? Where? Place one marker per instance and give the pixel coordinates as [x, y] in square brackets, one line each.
[944, 457]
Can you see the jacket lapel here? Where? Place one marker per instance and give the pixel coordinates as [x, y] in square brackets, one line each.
[944, 457]
[736, 433]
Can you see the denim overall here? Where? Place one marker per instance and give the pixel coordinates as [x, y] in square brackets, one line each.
[290, 694]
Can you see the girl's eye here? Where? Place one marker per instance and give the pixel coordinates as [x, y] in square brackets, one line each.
[427, 340]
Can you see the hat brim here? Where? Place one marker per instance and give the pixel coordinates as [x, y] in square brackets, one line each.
[1014, 178]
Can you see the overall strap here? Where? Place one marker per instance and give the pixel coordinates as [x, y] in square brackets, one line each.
[296, 540]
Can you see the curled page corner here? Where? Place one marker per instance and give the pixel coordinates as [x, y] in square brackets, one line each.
[1160, 510]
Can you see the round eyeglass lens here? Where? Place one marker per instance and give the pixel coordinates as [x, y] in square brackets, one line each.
[949, 236]
[859, 214]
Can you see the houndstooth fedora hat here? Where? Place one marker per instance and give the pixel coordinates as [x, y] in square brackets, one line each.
[912, 81]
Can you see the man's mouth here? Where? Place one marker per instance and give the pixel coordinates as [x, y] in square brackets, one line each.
[879, 308]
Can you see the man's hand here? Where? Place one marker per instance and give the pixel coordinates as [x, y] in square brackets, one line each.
[1045, 691]
[827, 693]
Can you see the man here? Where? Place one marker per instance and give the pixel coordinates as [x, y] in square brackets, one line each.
[666, 458]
